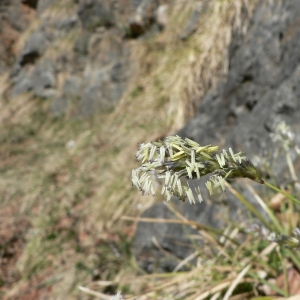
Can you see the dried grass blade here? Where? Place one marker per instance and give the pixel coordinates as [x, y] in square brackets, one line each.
[186, 260]
[93, 293]
[266, 209]
[236, 281]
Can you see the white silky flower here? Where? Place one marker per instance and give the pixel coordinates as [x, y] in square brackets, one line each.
[208, 185]
[143, 152]
[179, 187]
[162, 152]
[190, 196]
[167, 178]
[272, 237]
[193, 161]
[152, 153]
[221, 160]
[198, 192]
[232, 154]
[168, 195]
[296, 232]
[189, 172]
[197, 170]
[177, 158]
[118, 296]
[214, 184]
[174, 180]
[135, 179]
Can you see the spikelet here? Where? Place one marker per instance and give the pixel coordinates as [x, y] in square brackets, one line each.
[175, 159]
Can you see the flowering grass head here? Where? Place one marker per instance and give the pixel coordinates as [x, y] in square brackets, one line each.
[287, 241]
[175, 160]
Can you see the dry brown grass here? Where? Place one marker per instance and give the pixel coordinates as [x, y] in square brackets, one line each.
[186, 70]
[20, 44]
[59, 10]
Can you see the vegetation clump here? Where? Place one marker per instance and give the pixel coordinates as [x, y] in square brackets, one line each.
[175, 161]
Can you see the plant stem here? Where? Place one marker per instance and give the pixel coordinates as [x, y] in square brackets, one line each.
[282, 192]
[249, 206]
[293, 257]
[266, 209]
[291, 166]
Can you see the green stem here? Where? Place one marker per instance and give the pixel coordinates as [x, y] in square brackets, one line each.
[293, 257]
[291, 166]
[282, 192]
[249, 206]
[268, 283]
[286, 283]
[266, 209]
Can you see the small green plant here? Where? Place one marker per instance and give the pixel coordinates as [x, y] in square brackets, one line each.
[175, 161]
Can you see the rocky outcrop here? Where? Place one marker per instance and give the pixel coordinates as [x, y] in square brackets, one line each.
[261, 89]
[78, 55]
[14, 18]
[193, 21]
[95, 14]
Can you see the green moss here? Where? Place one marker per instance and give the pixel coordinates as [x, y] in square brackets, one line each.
[136, 92]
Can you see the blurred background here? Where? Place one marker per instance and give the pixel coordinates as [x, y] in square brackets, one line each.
[82, 82]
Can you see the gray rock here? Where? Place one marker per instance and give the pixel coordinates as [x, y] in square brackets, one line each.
[44, 4]
[160, 247]
[72, 86]
[261, 87]
[95, 13]
[94, 41]
[161, 16]
[34, 47]
[70, 94]
[67, 24]
[23, 84]
[192, 23]
[144, 17]
[81, 44]
[40, 80]
[60, 106]
[13, 20]
[171, 238]
[15, 15]
[31, 3]
[100, 60]
[4, 3]
[103, 88]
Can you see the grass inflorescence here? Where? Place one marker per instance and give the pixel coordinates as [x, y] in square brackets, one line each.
[176, 159]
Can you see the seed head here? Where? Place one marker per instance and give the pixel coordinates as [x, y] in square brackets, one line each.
[175, 160]
[284, 136]
[286, 241]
